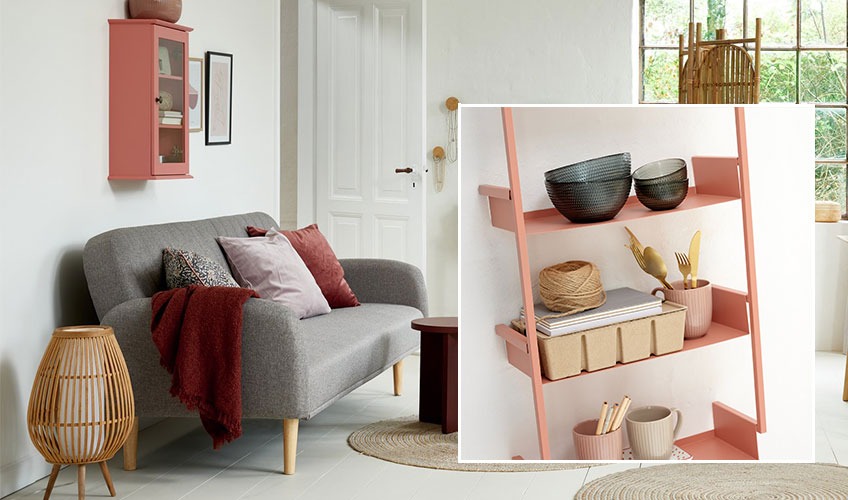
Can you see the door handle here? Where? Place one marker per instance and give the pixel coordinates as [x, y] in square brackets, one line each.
[407, 170]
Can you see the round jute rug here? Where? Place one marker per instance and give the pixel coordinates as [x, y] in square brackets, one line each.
[410, 442]
[722, 481]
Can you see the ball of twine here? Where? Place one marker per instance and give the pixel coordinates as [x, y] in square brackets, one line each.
[571, 287]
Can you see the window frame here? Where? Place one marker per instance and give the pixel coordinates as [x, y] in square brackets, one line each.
[798, 49]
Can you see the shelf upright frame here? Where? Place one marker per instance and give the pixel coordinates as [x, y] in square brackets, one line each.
[526, 281]
[750, 265]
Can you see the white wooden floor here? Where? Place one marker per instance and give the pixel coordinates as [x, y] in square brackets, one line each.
[176, 460]
[831, 411]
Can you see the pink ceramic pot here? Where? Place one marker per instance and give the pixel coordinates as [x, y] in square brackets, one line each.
[166, 10]
[591, 447]
[699, 306]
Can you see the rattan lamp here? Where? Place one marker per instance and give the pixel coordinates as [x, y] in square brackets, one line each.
[81, 408]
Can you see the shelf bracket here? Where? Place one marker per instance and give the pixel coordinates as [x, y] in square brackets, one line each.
[717, 175]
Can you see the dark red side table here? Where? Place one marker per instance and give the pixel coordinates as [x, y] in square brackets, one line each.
[437, 397]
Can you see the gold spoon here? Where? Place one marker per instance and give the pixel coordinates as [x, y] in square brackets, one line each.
[655, 266]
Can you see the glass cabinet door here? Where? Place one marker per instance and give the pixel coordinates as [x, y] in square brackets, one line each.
[170, 127]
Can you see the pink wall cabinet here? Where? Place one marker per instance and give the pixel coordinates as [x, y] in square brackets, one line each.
[148, 92]
[735, 313]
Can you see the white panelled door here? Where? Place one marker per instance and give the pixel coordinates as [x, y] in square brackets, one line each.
[369, 125]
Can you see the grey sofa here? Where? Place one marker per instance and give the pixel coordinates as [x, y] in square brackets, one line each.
[291, 369]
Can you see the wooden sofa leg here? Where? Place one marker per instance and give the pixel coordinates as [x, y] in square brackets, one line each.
[131, 447]
[289, 444]
[845, 384]
[398, 373]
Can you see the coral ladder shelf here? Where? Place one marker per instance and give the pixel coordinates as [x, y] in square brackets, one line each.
[735, 314]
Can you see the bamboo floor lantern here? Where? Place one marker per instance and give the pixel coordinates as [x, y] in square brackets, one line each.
[81, 408]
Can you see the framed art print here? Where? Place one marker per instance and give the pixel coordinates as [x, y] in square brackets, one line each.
[219, 98]
[195, 94]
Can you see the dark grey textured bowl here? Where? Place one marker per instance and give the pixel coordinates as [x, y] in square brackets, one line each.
[662, 195]
[593, 201]
[597, 169]
[669, 169]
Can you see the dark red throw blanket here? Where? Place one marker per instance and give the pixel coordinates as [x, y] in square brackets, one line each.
[197, 330]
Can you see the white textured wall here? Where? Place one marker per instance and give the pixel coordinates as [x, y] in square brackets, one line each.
[831, 286]
[54, 194]
[503, 51]
[497, 419]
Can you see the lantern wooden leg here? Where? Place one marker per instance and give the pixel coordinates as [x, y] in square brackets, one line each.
[131, 447]
[52, 481]
[81, 481]
[398, 376]
[107, 477]
[289, 444]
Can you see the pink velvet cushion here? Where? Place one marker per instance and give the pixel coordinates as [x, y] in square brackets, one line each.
[321, 261]
[272, 267]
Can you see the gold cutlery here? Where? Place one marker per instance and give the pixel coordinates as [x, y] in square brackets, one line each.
[694, 251]
[640, 259]
[634, 242]
[684, 266]
[655, 266]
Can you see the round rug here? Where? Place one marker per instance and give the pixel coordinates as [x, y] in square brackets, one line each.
[407, 441]
[722, 481]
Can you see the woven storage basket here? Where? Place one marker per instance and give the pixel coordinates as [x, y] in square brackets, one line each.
[599, 348]
[571, 287]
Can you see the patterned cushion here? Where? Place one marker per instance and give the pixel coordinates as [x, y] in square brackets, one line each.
[184, 268]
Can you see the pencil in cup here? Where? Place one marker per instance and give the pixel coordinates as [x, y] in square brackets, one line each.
[601, 419]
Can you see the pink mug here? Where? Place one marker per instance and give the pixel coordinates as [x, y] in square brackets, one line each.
[699, 306]
[591, 447]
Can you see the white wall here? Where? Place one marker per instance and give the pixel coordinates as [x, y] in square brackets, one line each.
[54, 194]
[503, 51]
[831, 286]
[497, 419]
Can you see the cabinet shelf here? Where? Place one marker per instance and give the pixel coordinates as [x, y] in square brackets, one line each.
[145, 178]
[720, 187]
[717, 333]
[717, 180]
[708, 446]
[170, 77]
[549, 220]
[162, 125]
[732, 438]
[730, 322]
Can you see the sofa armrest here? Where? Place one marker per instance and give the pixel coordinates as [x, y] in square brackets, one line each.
[273, 342]
[274, 372]
[387, 282]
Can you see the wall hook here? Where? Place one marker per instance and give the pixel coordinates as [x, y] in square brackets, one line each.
[452, 104]
[439, 162]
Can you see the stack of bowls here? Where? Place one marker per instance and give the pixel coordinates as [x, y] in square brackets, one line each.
[662, 184]
[591, 190]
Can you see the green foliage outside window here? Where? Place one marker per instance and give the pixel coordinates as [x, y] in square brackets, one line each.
[822, 77]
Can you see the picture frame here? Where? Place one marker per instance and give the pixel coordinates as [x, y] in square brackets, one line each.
[196, 93]
[219, 98]
[164, 61]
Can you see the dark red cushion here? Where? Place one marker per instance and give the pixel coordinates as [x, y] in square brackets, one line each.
[321, 261]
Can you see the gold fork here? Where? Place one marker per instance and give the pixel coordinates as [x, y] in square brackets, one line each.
[634, 242]
[685, 266]
[638, 256]
[640, 259]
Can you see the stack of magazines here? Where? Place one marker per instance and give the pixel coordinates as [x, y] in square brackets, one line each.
[623, 304]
